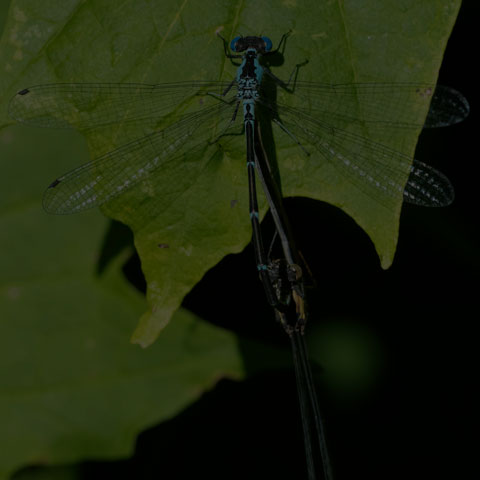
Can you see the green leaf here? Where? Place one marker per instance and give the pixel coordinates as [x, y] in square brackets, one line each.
[199, 209]
[72, 385]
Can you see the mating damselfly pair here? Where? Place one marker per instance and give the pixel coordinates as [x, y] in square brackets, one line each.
[339, 125]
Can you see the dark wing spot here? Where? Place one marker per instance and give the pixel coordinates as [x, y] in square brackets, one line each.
[54, 183]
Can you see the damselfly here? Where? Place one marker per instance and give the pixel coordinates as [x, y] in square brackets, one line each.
[345, 126]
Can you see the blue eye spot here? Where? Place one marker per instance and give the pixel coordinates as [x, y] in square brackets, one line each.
[268, 43]
[233, 44]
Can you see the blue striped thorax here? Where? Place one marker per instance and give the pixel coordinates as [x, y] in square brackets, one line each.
[249, 76]
[250, 72]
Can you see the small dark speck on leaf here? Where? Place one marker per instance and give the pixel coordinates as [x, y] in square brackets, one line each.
[427, 92]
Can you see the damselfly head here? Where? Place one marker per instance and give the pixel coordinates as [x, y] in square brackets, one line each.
[260, 44]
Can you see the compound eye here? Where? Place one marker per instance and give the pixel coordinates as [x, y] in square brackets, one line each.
[268, 43]
[233, 44]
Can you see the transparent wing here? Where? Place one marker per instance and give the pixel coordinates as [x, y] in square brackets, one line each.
[344, 122]
[110, 175]
[428, 187]
[377, 170]
[383, 105]
[91, 105]
[448, 107]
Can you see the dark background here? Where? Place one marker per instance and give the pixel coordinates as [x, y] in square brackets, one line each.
[418, 419]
